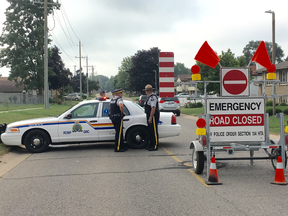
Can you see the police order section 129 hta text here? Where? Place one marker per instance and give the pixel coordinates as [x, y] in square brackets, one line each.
[236, 119]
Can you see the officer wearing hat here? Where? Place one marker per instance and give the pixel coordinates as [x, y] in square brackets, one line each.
[152, 115]
[102, 95]
[116, 115]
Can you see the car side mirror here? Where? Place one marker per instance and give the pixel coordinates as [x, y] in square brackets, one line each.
[68, 116]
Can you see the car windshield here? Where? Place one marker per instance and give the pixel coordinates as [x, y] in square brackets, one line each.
[65, 111]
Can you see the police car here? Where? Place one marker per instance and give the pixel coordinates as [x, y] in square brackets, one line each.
[86, 122]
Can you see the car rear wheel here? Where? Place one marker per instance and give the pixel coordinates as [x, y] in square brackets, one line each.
[36, 141]
[76, 99]
[138, 137]
[178, 113]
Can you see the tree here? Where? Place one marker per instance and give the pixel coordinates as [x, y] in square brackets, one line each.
[75, 82]
[23, 42]
[122, 78]
[102, 81]
[252, 46]
[227, 59]
[58, 74]
[110, 84]
[145, 63]
[179, 68]
[93, 85]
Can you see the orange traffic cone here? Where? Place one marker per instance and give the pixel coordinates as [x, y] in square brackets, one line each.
[279, 174]
[213, 176]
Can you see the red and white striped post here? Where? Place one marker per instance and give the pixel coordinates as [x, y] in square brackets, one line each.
[166, 74]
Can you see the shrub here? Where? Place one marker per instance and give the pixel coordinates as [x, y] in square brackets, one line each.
[282, 104]
[199, 104]
[269, 103]
[285, 111]
[270, 111]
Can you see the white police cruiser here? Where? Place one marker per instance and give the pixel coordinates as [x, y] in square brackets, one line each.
[86, 122]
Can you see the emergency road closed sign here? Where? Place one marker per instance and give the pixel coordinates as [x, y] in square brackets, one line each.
[234, 119]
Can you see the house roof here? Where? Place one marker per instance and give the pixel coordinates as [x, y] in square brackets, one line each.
[279, 66]
[184, 77]
[7, 86]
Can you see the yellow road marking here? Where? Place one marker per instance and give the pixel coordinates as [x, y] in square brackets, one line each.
[188, 165]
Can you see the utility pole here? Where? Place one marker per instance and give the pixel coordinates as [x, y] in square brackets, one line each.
[46, 85]
[92, 73]
[80, 69]
[87, 76]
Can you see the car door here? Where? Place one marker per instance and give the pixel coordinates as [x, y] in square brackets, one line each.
[81, 126]
[105, 127]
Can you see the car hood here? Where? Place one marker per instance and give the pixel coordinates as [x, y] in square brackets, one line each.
[32, 121]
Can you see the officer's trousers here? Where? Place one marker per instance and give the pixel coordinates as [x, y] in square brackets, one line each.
[118, 125]
[153, 131]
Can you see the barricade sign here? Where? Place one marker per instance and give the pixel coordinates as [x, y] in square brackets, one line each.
[236, 119]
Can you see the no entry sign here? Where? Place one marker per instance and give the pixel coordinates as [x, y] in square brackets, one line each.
[235, 82]
[236, 119]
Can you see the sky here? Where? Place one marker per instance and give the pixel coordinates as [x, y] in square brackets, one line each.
[110, 30]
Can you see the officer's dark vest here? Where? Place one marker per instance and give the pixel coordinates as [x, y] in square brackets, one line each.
[114, 108]
[148, 107]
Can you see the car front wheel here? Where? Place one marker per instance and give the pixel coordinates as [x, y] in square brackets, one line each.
[36, 141]
[138, 137]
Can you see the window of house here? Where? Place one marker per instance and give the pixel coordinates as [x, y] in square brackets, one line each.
[283, 75]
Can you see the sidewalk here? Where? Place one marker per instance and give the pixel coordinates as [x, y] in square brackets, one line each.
[20, 110]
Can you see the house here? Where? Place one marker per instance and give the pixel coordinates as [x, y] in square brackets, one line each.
[7, 86]
[180, 85]
[280, 88]
[254, 86]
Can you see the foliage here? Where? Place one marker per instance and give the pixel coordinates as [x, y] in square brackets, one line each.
[59, 76]
[285, 111]
[252, 46]
[269, 103]
[199, 104]
[179, 68]
[123, 77]
[102, 81]
[23, 41]
[145, 62]
[75, 82]
[68, 89]
[282, 104]
[270, 111]
[93, 85]
[110, 84]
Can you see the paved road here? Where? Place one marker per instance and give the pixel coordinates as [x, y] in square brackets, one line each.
[94, 180]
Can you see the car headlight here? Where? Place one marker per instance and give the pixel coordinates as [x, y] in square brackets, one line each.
[13, 130]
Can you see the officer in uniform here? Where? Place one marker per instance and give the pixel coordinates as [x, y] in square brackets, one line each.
[103, 96]
[152, 115]
[116, 115]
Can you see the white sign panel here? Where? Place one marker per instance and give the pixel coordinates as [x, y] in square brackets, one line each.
[236, 119]
[235, 82]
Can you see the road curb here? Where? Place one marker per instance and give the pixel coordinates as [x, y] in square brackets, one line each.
[10, 160]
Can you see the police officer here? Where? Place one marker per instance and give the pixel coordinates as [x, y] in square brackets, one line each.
[102, 96]
[116, 116]
[152, 115]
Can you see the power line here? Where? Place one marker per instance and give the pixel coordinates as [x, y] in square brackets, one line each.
[59, 21]
[58, 44]
[69, 21]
